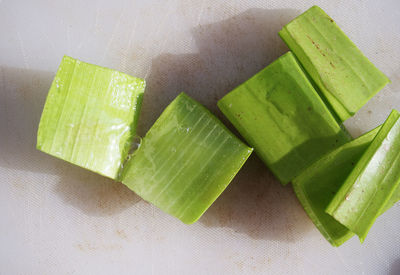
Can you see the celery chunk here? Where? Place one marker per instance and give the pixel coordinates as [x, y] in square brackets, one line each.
[90, 116]
[280, 114]
[345, 77]
[185, 160]
[373, 182]
[319, 183]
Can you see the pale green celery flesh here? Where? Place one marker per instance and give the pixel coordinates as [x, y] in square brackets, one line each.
[185, 160]
[372, 183]
[393, 199]
[90, 116]
[280, 114]
[319, 183]
[345, 77]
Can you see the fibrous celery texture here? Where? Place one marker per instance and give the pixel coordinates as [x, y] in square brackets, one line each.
[372, 185]
[318, 184]
[345, 77]
[185, 160]
[280, 114]
[90, 116]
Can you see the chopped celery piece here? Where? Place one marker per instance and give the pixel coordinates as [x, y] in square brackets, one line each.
[185, 160]
[318, 184]
[280, 114]
[90, 116]
[345, 77]
[372, 183]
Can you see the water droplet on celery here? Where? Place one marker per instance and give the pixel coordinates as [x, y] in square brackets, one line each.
[136, 141]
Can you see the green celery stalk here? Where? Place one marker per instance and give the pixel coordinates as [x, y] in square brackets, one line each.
[280, 114]
[319, 183]
[345, 77]
[372, 183]
[185, 160]
[90, 116]
[393, 199]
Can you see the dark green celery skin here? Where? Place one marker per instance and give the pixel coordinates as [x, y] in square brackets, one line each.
[280, 114]
[319, 183]
[372, 184]
[185, 161]
[345, 77]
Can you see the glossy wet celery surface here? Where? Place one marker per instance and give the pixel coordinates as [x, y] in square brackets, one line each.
[280, 114]
[319, 183]
[345, 77]
[90, 116]
[372, 183]
[185, 160]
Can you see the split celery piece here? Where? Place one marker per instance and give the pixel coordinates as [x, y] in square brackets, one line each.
[280, 114]
[90, 116]
[319, 183]
[372, 183]
[185, 161]
[345, 77]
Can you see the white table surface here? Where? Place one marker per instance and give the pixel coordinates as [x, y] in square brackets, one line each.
[56, 218]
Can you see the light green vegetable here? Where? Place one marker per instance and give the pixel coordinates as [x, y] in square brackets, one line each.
[319, 183]
[185, 160]
[393, 199]
[345, 77]
[90, 116]
[372, 183]
[280, 114]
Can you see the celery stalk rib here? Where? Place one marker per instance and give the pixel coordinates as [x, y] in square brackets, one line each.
[90, 116]
[344, 76]
[185, 160]
[319, 183]
[280, 114]
[373, 182]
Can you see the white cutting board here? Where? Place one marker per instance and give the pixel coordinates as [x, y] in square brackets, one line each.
[59, 219]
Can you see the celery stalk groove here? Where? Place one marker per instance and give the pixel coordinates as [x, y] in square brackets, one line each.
[90, 116]
[185, 160]
[280, 114]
